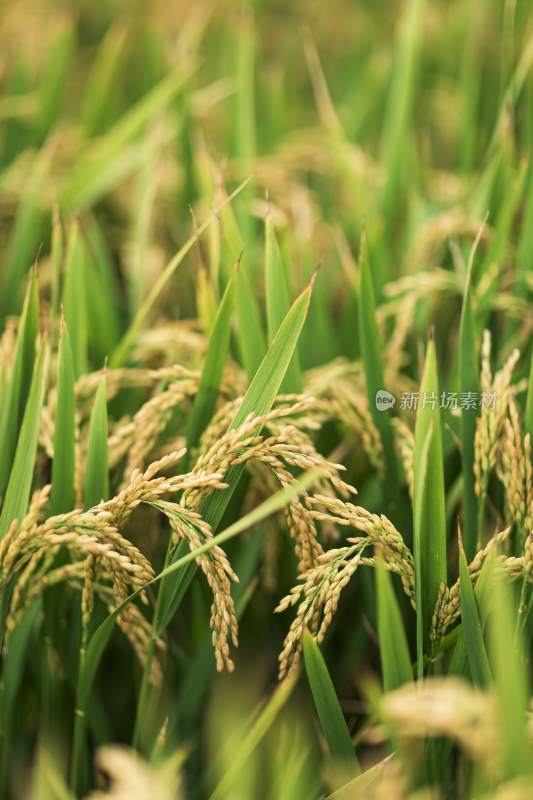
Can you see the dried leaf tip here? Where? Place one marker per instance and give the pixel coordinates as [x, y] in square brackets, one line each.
[312, 279]
[238, 262]
[460, 538]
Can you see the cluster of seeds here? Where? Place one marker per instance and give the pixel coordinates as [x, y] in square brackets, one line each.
[447, 608]
[491, 421]
[190, 526]
[516, 472]
[320, 586]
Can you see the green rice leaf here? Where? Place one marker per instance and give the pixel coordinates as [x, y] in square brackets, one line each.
[62, 494]
[251, 337]
[100, 82]
[54, 76]
[473, 633]
[418, 508]
[278, 303]
[468, 372]
[394, 649]
[13, 402]
[511, 679]
[57, 260]
[15, 657]
[374, 378]
[74, 299]
[24, 240]
[459, 661]
[217, 351]
[328, 707]
[20, 480]
[428, 499]
[502, 228]
[525, 247]
[96, 486]
[529, 401]
[397, 123]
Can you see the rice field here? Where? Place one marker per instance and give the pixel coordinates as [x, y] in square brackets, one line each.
[266, 400]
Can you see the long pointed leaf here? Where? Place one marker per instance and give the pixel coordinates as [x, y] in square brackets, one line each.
[96, 471]
[217, 351]
[374, 378]
[14, 402]
[19, 486]
[429, 505]
[468, 371]
[62, 494]
[473, 633]
[395, 658]
[328, 707]
[277, 302]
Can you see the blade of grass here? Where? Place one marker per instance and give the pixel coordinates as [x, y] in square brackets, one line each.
[394, 649]
[13, 667]
[96, 487]
[20, 479]
[473, 633]
[54, 77]
[328, 707]
[503, 227]
[250, 336]
[374, 378]
[428, 499]
[14, 401]
[278, 303]
[525, 246]
[244, 103]
[62, 494]
[23, 241]
[468, 372]
[397, 124]
[100, 82]
[57, 260]
[529, 401]
[74, 299]
[511, 680]
[459, 661]
[217, 351]
[13, 672]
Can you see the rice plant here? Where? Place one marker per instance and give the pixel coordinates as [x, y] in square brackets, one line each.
[266, 400]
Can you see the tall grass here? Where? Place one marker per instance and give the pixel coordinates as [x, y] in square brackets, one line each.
[190, 432]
